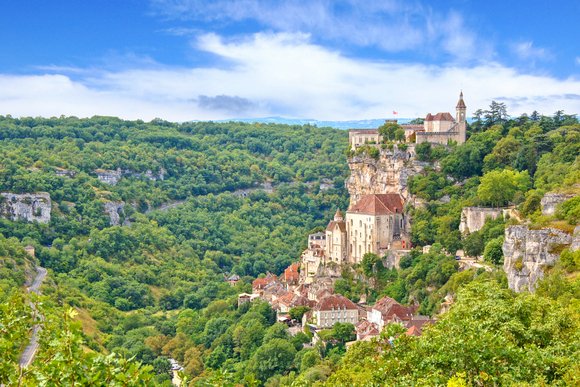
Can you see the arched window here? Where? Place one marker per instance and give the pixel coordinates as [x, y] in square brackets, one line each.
[360, 223]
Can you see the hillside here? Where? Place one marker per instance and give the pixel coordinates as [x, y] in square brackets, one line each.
[148, 284]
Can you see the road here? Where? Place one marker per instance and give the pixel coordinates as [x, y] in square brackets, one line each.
[30, 350]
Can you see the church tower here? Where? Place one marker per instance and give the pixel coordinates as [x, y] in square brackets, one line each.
[338, 216]
[461, 119]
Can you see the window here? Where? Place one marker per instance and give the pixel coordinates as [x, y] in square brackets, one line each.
[360, 223]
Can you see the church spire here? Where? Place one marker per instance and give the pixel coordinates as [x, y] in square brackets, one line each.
[460, 104]
[338, 216]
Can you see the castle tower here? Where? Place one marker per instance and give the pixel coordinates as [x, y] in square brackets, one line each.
[338, 216]
[461, 119]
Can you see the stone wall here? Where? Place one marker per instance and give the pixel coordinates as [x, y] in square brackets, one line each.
[528, 252]
[437, 137]
[392, 259]
[473, 218]
[551, 200]
[33, 206]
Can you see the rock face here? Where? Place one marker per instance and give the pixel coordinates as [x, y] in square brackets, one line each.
[33, 206]
[527, 252]
[388, 174]
[551, 200]
[113, 209]
[473, 218]
[108, 176]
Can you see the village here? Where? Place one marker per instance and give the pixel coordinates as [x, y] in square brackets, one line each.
[376, 223]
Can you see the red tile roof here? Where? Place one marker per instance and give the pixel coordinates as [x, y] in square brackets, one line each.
[378, 205]
[336, 301]
[404, 313]
[291, 273]
[414, 331]
[439, 117]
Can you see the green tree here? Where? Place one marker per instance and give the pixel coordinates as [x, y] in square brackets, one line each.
[499, 187]
[388, 130]
[297, 312]
[493, 251]
[272, 358]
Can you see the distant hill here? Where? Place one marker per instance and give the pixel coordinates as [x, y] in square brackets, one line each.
[352, 124]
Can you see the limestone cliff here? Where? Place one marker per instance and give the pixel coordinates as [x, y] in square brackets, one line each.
[551, 200]
[108, 176]
[113, 209]
[528, 252]
[388, 174]
[29, 206]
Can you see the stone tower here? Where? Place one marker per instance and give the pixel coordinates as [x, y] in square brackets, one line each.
[338, 216]
[461, 119]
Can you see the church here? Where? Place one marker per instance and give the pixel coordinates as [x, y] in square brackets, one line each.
[375, 224]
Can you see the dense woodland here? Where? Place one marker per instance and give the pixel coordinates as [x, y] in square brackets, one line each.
[155, 289]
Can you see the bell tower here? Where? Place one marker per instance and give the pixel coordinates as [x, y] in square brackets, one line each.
[461, 119]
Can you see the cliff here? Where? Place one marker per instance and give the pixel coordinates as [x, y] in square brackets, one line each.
[551, 200]
[388, 174]
[528, 252]
[113, 209]
[33, 206]
[108, 176]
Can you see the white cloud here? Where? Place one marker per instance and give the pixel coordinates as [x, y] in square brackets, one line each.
[578, 60]
[391, 25]
[526, 50]
[281, 74]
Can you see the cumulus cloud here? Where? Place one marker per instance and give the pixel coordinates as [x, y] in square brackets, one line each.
[281, 74]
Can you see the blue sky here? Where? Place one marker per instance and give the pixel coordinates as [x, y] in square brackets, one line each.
[328, 60]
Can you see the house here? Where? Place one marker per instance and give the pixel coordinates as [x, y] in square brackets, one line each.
[416, 325]
[260, 284]
[333, 309]
[291, 277]
[233, 279]
[336, 240]
[387, 310]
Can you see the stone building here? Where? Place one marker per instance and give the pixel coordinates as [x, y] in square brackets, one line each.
[333, 309]
[442, 127]
[376, 223]
[336, 240]
[439, 129]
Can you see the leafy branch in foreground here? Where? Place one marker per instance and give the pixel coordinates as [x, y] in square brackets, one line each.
[60, 359]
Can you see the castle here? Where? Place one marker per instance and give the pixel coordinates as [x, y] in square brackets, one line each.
[440, 128]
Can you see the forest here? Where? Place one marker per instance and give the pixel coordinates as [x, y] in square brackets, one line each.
[153, 289]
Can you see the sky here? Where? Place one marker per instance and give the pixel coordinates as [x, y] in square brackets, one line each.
[183, 60]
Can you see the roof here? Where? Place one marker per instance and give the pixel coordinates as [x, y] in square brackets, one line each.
[384, 304]
[28, 247]
[260, 283]
[420, 322]
[334, 224]
[439, 117]
[404, 313]
[318, 234]
[338, 214]
[234, 277]
[414, 331]
[336, 301]
[412, 127]
[364, 131]
[378, 205]
[291, 273]
[461, 104]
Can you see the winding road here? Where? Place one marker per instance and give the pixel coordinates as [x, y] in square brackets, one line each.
[32, 346]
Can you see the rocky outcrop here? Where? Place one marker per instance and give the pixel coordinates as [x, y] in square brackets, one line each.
[551, 200]
[32, 206]
[393, 258]
[113, 209]
[528, 252]
[388, 174]
[108, 176]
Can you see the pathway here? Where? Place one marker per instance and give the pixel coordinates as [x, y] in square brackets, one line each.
[32, 347]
